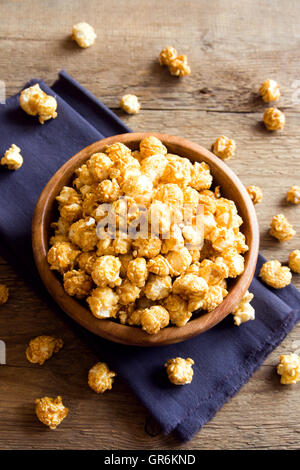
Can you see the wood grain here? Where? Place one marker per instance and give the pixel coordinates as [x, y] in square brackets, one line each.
[232, 46]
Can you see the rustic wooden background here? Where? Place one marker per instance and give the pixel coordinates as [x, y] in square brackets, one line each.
[232, 47]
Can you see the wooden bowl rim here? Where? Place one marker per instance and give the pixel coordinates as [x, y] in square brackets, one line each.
[115, 331]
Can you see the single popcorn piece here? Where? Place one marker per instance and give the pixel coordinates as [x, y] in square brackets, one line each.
[41, 348]
[128, 292]
[97, 167]
[179, 66]
[293, 195]
[159, 265]
[189, 284]
[179, 261]
[151, 146]
[289, 369]
[224, 147]
[201, 177]
[83, 34]
[154, 319]
[209, 301]
[130, 104]
[178, 309]
[275, 275]
[12, 158]
[274, 119]
[244, 311]
[177, 171]
[103, 302]
[77, 283]
[86, 261]
[154, 167]
[4, 294]
[101, 377]
[146, 247]
[269, 90]
[180, 370]
[137, 271]
[50, 411]
[35, 101]
[83, 234]
[158, 287]
[255, 194]
[62, 256]
[106, 271]
[281, 228]
[168, 54]
[294, 261]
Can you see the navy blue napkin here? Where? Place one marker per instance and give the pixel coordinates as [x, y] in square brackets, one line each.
[225, 357]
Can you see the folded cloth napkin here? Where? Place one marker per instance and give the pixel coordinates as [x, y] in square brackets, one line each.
[225, 356]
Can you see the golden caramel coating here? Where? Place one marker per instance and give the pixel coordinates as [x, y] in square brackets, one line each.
[274, 119]
[86, 261]
[177, 171]
[83, 234]
[108, 191]
[98, 166]
[157, 287]
[121, 244]
[201, 177]
[35, 101]
[12, 158]
[179, 66]
[281, 228]
[180, 370]
[130, 104]
[294, 261]
[62, 256]
[139, 187]
[137, 271]
[77, 283]
[101, 377]
[4, 294]
[168, 54]
[289, 369]
[209, 300]
[103, 302]
[169, 193]
[269, 90]
[224, 147]
[151, 146]
[146, 247]
[153, 167]
[106, 270]
[41, 348]
[50, 411]
[275, 275]
[244, 312]
[178, 309]
[189, 285]
[234, 261]
[154, 319]
[255, 193]
[213, 271]
[293, 195]
[84, 34]
[179, 261]
[159, 266]
[128, 292]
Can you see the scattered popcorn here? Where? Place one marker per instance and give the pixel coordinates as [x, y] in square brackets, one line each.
[154, 319]
[294, 261]
[275, 275]
[281, 228]
[168, 54]
[50, 411]
[4, 294]
[178, 64]
[101, 377]
[130, 104]
[83, 34]
[244, 311]
[269, 90]
[12, 158]
[35, 101]
[41, 348]
[180, 370]
[289, 369]
[274, 119]
[224, 147]
[293, 195]
[255, 194]
[77, 283]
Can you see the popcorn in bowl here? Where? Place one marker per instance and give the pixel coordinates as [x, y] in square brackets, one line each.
[144, 238]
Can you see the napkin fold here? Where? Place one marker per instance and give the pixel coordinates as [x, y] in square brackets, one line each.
[225, 356]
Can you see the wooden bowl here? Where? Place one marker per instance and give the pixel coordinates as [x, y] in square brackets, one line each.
[231, 187]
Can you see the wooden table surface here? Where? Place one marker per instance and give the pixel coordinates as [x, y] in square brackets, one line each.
[232, 47]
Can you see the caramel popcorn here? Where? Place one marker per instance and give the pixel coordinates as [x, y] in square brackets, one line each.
[189, 284]
[289, 369]
[158, 287]
[153, 167]
[108, 191]
[83, 34]
[62, 256]
[255, 193]
[41, 348]
[103, 302]
[137, 271]
[146, 247]
[106, 270]
[77, 283]
[224, 147]
[50, 411]
[128, 292]
[281, 228]
[209, 300]
[275, 275]
[86, 261]
[175, 240]
[179, 66]
[35, 101]
[4, 294]
[293, 195]
[180, 370]
[83, 234]
[177, 171]
[179, 261]
[167, 55]
[101, 377]
[244, 311]
[294, 261]
[160, 217]
[151, 146]
[201, 177]
[130, 104]
[274, 119]
[154, 319]
[178, 309]
[269, 90]
[12, 158]
[159, 265]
